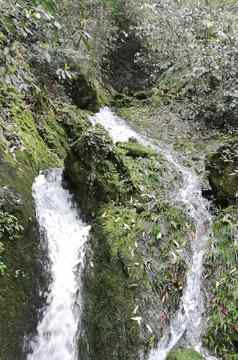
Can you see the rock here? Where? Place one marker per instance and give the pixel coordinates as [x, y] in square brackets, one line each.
[134, 149]
[184, 354]
[223, 175]
[83, 92]
[96, 171]
[122, 70]
[10, 201]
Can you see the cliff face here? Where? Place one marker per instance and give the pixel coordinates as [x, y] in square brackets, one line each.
[38, 122]
[51, 75]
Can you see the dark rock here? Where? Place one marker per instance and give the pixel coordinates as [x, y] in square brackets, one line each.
[82, 92]
[95, 170]
[10, 201]
[123, 71]
[223, 175]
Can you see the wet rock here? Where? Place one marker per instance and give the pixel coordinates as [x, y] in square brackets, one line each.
[95, 170]
[223, 175]
[134, 149]
[122, 70]
[184, 354]
[10, 201]
[82, 92]
[51, 69]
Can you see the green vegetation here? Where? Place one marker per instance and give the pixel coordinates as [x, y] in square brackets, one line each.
[10, 230]
[137, 244]
[184, 354]
[221, 274]
[170, 81]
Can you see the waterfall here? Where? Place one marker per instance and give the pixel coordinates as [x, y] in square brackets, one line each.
[65, 234]
[187, 322]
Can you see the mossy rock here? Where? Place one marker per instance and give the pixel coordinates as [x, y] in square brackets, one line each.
[135, 149]
[184, 354]
[222, 173]
[96, 171]
[85, 93]
[128, 259]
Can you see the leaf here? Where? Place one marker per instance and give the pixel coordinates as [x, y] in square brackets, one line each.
[158, 236]
[137, 318]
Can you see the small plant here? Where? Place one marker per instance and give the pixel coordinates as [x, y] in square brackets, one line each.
[10, 229]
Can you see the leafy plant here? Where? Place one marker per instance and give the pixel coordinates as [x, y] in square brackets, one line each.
[10, 229]
[221, 270]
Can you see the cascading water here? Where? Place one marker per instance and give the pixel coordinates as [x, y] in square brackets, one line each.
[187, 322]
[65, 235]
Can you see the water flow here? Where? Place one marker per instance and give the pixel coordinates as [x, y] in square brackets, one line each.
[65, 235]
[187, 322]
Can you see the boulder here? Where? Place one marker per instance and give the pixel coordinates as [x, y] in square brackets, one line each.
[95, 170]
[222, 167]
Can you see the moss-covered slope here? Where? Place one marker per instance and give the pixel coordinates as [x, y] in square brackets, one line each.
[222, 281]
[135, 269]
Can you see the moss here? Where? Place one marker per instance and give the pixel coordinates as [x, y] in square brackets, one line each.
[221, 275]
[169, 235]
[136, 243]
[73, 120]
[96, 171]
[54, 135]
[22, 278]
[35, 134]
[110, 331]
[35, 152]
[84, 92]
[184, 354]
[122, 227]
[134, 149]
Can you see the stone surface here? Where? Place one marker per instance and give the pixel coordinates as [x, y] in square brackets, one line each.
[223, 174]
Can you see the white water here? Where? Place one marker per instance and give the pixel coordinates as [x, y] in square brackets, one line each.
[65, 235]
[187, 322]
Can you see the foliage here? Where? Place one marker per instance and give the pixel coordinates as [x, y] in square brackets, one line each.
[184, 354]
[10, 230]
[201, 39]
[138, 242]
[221, 271]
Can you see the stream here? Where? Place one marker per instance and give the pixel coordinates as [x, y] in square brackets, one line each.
[66, 234]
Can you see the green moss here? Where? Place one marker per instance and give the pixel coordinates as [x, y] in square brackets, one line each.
[136, 244]
[135, 149]
[20, 254]
[54, 135]
[221, 268]
[96, 171]
[35, 151]
[73, 120]
[184, 354]
[122, 227]
[35, 134]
